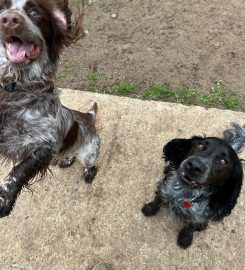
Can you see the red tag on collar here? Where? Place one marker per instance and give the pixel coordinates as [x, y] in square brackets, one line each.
[186, 204]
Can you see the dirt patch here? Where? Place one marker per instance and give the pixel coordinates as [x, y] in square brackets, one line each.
[180, 43]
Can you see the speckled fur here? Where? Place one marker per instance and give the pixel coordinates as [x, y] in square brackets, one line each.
[35, 129]
[212, 189]
[173, 194]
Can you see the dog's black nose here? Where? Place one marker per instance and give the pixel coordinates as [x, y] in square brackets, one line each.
[196, 166]
[11, 20]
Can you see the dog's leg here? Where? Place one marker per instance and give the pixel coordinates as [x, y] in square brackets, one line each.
[151, 209]
[67, 161]
[185, 236]
[20, 175]
[87, 154]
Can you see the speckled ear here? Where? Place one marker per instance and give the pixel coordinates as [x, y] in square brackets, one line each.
[235, 137]
[60, 17]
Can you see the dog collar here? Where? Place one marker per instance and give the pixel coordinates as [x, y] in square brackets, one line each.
[14, 87]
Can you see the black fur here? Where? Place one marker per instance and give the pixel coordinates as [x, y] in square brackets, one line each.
[89, 174]
[202, 181]
[21, 175]
[224, 196]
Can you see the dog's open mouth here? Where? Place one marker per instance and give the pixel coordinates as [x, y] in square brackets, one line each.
[19, 52]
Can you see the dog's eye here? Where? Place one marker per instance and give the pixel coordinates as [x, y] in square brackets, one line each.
[200, 147]
[222, 162]
[34, 12]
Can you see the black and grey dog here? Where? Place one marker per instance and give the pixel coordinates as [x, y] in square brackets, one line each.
[35, 129]
[202, 182]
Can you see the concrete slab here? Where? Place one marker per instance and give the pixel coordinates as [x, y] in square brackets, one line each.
[67, 224]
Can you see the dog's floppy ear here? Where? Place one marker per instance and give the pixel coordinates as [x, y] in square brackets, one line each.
[64, 31]
[226, 193]
[176, 150]
[75, 30]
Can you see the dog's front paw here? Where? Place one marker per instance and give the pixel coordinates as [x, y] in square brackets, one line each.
[150, 209]
[89, 174]
[66, 162]
[6, 203]
[184, 239]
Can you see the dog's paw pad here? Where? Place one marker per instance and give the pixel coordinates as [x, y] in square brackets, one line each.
[89, 174]
[66, 162]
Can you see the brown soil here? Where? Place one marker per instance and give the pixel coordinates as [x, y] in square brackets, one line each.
[181, 43]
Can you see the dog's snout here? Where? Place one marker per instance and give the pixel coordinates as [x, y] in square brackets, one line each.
[196, 166]
[11, 20]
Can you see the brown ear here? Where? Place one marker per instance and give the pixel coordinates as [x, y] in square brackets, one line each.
[75, 29]
[64, 30]
[64, 7]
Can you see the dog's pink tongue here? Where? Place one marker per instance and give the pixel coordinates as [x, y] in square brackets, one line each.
[19, 52]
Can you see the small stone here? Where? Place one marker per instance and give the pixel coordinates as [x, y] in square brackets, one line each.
[100, 266]
[69, 233]
[114, 15]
